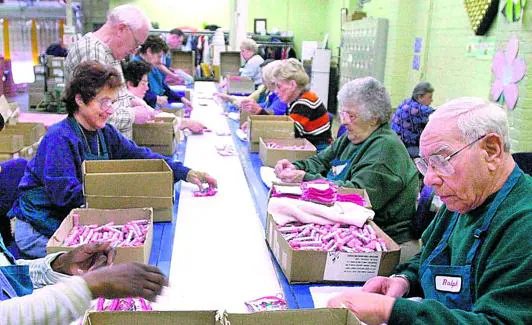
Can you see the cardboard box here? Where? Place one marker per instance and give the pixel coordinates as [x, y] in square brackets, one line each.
[9, 156]
[184, 60]
[31, 132]
[11, 143]
[27, 152]
[243, 116]
[230, 63]
[160, 136]
[302, 266]
[134, 183]
[268, 126]
[140, 254]
[318, 316]
[270, 156]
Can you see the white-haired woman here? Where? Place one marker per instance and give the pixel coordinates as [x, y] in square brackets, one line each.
[251, 69]
[368, 156]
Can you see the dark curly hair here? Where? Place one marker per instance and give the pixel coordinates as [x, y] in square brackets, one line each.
[135, 70]
[88, 79]
[155, 44]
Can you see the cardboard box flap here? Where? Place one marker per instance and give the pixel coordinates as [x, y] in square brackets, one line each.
[11, 143]
[319, 316]
[270, 156]
[270, 126]
[125, 166]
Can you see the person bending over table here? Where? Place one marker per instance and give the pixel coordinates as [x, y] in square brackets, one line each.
[311, 119]
[52, 183]
[72, 280]
[368, 156]
[475, 263]
[159, 92]
[136, 77]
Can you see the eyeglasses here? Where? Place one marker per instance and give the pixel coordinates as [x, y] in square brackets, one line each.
[439, 163]
[347, 117]
[137, 43]
[107, 105]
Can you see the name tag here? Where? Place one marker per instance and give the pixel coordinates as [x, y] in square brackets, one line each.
[448, 283]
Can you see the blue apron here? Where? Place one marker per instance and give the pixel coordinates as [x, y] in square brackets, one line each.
[15, 280]
[449, 284]
[45, 216]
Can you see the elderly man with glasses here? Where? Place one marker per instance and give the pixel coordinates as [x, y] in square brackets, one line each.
[475, 263]
[122, 34]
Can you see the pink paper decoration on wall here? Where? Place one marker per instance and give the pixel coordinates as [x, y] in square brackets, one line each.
[508, 70]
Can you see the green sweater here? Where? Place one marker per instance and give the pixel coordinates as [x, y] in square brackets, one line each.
[502, 269]
[382, 167]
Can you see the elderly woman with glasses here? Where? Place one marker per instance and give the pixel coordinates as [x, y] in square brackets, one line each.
[52, 183]
[368, 156]
[475, 263]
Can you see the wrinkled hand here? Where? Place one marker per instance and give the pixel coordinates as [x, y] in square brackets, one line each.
[143, 114]
[200, 178]
[84, 258]
[187, 102]
[291, 176]
[370, 308]
[392, 287]
[251, 106]
[244, 126]
[282, 165]
[194, 126]
[224, 97]
[162, 100]
[126, 280]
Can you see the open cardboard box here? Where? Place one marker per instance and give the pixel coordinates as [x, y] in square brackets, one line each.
[11, 143]
[306, 266]
[140, 254]
[268, 126]
[32, 132]
[319, 316]
[160, 136]
[184, 60]
[270, 156]
[133, 183]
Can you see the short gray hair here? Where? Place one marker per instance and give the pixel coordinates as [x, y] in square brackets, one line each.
[292, 69]
[475, 117]
[370, 97]
[268, 72]
[129, 15]
[249, 44]
[421, 89]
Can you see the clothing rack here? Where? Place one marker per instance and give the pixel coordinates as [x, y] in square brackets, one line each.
[275, 44]
[202, 32]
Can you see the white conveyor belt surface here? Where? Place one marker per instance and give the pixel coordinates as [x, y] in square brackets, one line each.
[220, 258]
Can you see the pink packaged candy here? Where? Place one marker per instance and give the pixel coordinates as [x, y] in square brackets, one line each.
[132, 234]
[123, 304]
[332, 238]
[319, 191]
[267, 303]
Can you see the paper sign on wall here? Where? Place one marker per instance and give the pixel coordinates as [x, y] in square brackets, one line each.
[342, 266]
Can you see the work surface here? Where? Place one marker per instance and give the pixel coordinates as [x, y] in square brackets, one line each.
[214, 252]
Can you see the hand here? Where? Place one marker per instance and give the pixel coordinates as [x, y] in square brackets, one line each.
[291, 175]
[84, 258]
[392, 287]
[162, 100]
[126, 280]
[194, 126]
[282, 165]
[200, 178]
[144, 114]
[135, 101]
[370, 308]
[251, 106]
[224, 97]
[187, 102]
[244, 126]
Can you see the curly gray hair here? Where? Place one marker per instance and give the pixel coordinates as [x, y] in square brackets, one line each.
[370, 96]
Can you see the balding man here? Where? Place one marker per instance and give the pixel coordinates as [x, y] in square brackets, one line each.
[475, 263]
[123, 33]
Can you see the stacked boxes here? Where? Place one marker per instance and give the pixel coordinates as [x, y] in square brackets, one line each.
[134, 183]
[30, 136]
[160, 136]
[268, 126]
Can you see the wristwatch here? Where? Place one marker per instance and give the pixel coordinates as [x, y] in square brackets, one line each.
[403, 277]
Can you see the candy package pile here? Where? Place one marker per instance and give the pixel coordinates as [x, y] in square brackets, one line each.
[132, 234]
[267, 303]
[319, 191]
[123, 304]
[332, 238]
[274, 145]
